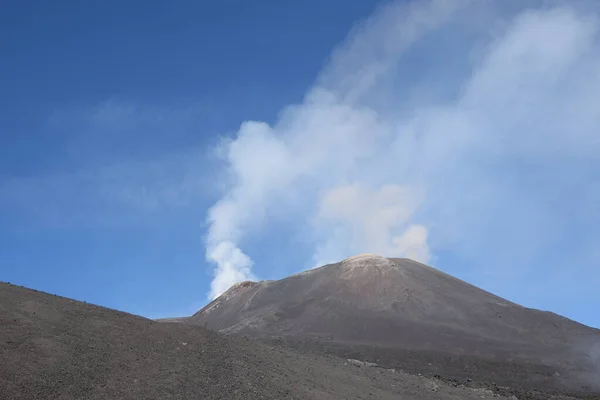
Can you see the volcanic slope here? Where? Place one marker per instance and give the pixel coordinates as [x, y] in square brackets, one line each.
[55, 348]
[402, 304]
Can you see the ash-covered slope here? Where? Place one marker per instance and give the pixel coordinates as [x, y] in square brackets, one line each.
[55, 348]
[52, 347]
[400, 303]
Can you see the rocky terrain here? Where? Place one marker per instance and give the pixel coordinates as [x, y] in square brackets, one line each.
[404, 314]
[56, 348]
[365, 328]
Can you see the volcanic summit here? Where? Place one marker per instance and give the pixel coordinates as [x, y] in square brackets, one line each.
[396, 303]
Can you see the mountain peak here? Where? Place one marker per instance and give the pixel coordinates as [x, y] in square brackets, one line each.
[394, 302]
[364, 257]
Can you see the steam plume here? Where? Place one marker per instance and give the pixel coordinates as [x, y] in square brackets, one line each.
[412, 136]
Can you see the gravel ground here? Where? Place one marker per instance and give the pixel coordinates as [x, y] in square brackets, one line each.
[55, 348]
[522, 380]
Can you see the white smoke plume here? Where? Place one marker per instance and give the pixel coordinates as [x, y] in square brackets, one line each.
[412, 136]
[375, 221]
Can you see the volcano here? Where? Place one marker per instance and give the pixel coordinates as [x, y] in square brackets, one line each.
[399, 305]
[57, 348]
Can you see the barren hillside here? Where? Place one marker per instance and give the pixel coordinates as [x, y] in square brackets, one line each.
[55, 348]
[404, 305]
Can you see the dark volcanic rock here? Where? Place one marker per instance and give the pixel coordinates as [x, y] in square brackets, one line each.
[56, 348]
[404, 305]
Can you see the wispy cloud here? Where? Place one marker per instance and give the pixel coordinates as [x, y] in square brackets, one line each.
[109, 195]
[487, 152]
[118, 129]
[120, 162]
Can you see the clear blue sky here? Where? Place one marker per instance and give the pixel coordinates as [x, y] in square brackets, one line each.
[130, 176]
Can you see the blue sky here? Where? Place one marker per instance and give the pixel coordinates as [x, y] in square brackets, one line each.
[151, 154]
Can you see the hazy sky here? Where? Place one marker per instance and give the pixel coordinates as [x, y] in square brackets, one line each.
[154, 153]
